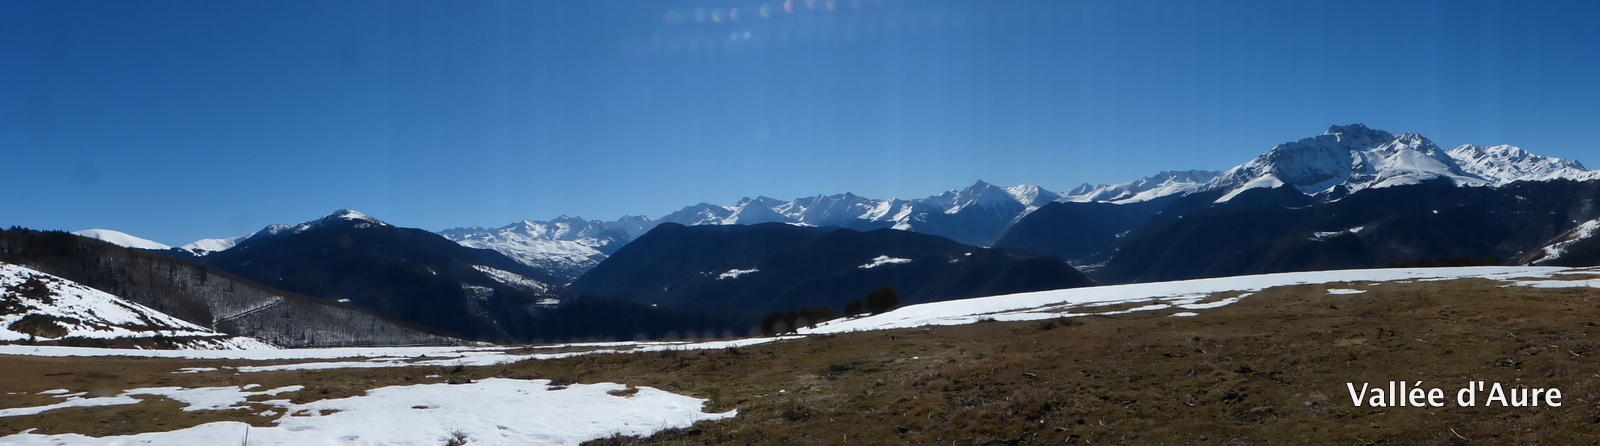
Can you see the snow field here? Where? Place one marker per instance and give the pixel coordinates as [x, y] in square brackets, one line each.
[1161, 295]
[491, 411]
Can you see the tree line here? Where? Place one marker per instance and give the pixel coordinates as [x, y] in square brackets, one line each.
[878, 301]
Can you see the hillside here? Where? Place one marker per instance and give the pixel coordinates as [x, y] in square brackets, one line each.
[1255, 233]
[745, 271]
[38, 308]
[423, 278]
[206, 296]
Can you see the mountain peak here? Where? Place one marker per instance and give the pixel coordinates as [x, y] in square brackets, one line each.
[1352, 129]
[1358, 157]
[1357, 136]
[361, 220]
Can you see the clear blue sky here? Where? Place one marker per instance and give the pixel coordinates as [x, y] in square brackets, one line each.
[179, 120]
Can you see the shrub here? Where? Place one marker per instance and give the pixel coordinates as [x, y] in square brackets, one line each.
[853, 308]
[883, 299]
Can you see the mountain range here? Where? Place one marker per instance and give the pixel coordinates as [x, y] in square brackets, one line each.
[1343, 160]
[1352, 197]
[744, 271]
[976, 215]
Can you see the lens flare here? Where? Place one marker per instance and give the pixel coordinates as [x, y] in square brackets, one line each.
[788, 5]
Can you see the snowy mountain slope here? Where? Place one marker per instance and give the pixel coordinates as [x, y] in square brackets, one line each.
[200, 248]
[1576, 246]
[121, 239]
[1349, 158]
[1505, 163]
[43, 307]
[566, 246]
[1144, 189]
[974, 215]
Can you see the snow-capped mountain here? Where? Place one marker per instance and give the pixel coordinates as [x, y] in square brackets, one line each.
[569, 246]
[35, 306]
[200, 248]
[208, 246]
[566, 246]
[1503, 164]
[204, 247]
[856, 212]
[1343, 160]
[361, 221]
[1349, 158]
[121, 239]
[1166, 183]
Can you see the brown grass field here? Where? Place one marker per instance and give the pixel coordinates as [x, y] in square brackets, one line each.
[1270, 369]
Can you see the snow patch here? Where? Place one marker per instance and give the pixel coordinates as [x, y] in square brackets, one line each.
[1327, 235]
[735, 273]
[514, 280]
[1051, 304]
[491, 411]
[883, 260]
[70, 402]
[1264, 181]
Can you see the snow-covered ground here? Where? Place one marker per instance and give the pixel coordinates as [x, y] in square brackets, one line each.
[491, 411]
[381, 357]
[1188, 295]
[1185, 294]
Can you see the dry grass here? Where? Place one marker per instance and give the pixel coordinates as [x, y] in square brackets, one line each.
[1270, 369]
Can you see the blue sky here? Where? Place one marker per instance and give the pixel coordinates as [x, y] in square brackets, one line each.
[183, 120]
